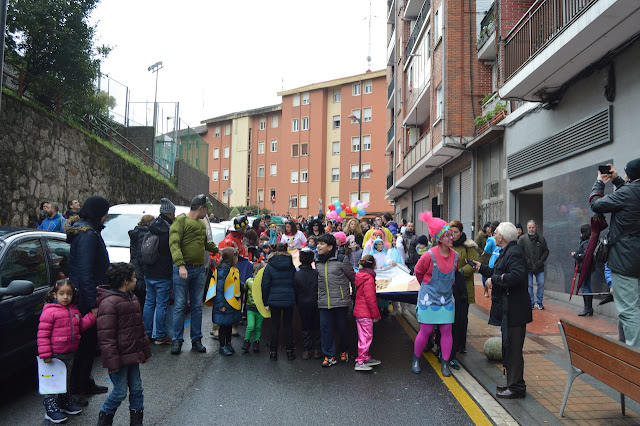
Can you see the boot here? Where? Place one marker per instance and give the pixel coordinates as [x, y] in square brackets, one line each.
[446, 372]
[136, 417]
[53, 413]
[273, 356]
[66, 404]
[291, 354]
[105, 419]
[415, 364]
[245, 347]
[588, 306]
[256, 346]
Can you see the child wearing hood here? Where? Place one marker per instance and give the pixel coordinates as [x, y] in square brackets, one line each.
[353, 252]
[366, 311]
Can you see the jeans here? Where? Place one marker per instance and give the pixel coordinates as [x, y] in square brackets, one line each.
[328, 319]
[626, 295]
[539, 293]
[194, 287]
[365, 337]
[254, 326]
[155, 305]
[310, 319]
[126, 377]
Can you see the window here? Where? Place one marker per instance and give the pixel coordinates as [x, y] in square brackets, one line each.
[355, 112]
[216, 153]
[303, 201]
[353, 197]
[214, 175]
[335, 175]
[365, 166]
[336, 96]
[272, 194]
[305, 123]
[355, 144]
[263, 123]
[225, 174]
[295, 125]
[260, 195]
[356, 89]
[428, 42]
[274, 122]
[368, 87]
[227, 129]
[366, 143]
[293, 201]
[436, 25]
[58, 258]
[334, 199]
[304, 175]
[304, 149]
[367, 114]
[274, 146]
[261, 147]
[336, 148]
[294, 150]
[296, 100]
[364, 196]
[336, 121]
[294, 176]
[260, 171]
[24, 263]
[439, 102]
[225, 197]
[274, 170]
[354, 171]
[305, 98]
[226, 152]
[217, 132]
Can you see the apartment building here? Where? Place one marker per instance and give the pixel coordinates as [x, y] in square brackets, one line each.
[304, 153]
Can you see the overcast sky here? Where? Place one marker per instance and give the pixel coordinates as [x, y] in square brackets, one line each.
[226, 56]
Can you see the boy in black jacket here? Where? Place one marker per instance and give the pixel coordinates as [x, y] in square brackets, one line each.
[306, 287]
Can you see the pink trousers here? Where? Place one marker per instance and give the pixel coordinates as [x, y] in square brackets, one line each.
[365, 336]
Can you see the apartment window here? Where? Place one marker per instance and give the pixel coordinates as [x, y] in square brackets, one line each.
[295, 125]
[214, 176]
[303, 201]
[353, 197]
[225, 174]
[368, 87]
[261, 171]
[260, 195]
[439, 102]
[274, 170]
[336, 96]
[272, 194]
[293, 201]
[227, 129]
[336, 148]
[225, 198]
[304, 175]
[217, 132]
[305, 98]
[216, 153]
[355, 144]
[355, 112]
[274, 122]
[334, 199]
[261, 147]
[364, 196]
[305, 123]
[274, 146]
[304, 149]
[367, 114]
[365, 166]
[354, 171]
[263, 123]
[296, 100]
[356, 89]
[335, 175]
[226, 152]
[366, 143]
[294, 150]
[294, 176]
[336, 121]
[436, 25]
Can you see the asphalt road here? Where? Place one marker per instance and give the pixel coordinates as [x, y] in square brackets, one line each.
[199, 389]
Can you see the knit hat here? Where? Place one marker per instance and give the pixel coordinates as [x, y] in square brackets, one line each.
[166, 206]
[94, 208]
[437, 226]
[633, 169]
[422, 239]
[341, 236]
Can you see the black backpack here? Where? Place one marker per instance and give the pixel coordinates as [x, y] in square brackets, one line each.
[149, 249]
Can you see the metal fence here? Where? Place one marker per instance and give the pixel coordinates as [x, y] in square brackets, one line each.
[184, 144]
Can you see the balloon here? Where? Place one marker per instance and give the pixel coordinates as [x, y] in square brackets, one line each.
[347, 209]
[338, 210]
[365, 205]
[343, 205]
[360, 206]
[339, 218]
[358, 202]
[354, 212]
[361, 212]
[331, 207]
[343, 214]
[354, 207]
[336, 204]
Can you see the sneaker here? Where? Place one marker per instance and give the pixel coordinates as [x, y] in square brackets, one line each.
[228, 346]
[445, 369]
[246, 346]
[328, 361]
[166, 340]
[53, 413]
[533, 306]
[176, 347]
[94, 389]
[344, 356]
[454, 364]
[540, 306]
[372, 362]
[196, 345]
[225, 351]
[306, 355]
[66, 405]
[363, 367]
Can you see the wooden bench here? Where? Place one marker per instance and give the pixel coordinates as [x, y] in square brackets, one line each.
[613, 363]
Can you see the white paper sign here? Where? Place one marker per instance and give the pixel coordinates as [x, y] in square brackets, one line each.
[52, 377]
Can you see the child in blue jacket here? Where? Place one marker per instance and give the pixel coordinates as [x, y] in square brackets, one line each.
[226, 304]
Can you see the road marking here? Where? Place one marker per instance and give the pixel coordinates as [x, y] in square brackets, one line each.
[470, 406]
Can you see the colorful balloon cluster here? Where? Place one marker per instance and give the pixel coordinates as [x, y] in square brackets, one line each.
[339, 211]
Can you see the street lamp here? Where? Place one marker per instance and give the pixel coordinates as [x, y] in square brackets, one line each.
[154, 69]
[353, 117]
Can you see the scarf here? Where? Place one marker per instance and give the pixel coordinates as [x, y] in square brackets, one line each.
[461, 240]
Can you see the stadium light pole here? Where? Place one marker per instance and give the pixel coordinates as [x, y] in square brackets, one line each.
[154, 69]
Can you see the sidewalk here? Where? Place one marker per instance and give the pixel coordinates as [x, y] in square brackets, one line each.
[590, 402]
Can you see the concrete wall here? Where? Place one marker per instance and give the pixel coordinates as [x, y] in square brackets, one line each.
[140, 136]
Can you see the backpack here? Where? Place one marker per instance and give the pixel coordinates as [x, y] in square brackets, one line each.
[149, 249]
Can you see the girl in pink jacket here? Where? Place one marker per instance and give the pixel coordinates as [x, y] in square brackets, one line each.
[58, 337]
[366, 311]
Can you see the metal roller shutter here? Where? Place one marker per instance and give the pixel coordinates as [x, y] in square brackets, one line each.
[454, 198]
[466, 202]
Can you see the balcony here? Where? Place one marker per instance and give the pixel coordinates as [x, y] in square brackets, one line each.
[486, 43]
[420, 20]
[557, 39]
[391, 135]
[391, 90]
[389, 180]
[391, 48]
[412, 8]
[391, 11]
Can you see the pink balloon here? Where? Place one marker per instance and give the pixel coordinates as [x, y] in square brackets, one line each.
[339, 218]
[365, 205]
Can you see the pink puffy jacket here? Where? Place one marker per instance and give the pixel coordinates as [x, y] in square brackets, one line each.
[59, 329]
[366, 302]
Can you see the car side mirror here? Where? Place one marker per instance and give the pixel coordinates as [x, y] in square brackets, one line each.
[17, 288]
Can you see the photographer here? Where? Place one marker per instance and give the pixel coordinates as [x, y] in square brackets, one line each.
[624, 239]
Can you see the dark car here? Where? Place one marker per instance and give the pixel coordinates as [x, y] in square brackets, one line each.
[31, 261]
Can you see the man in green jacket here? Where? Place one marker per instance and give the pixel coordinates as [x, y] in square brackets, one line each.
[187, 242]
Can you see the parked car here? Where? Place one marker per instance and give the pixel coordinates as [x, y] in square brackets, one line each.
[31, 261]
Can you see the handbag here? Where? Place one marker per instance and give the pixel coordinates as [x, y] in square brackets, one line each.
[601, 252]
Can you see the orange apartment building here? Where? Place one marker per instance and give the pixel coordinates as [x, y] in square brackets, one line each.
[299, 155]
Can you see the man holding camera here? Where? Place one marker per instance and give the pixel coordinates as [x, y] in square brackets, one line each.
[624, 241]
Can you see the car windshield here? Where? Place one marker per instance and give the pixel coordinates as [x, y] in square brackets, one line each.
[117, 227]
[218, 234]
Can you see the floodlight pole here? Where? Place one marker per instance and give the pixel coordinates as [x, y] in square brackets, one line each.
[154, 69]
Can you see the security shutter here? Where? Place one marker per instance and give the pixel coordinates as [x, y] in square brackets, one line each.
[418, 207]
[466, 202]
[454, 197]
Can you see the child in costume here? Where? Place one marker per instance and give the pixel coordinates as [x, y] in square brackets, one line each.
[59, 337]
[254, 319]
[353, 252]
[305, 284]
[366, 311]
[226, 304]
[394, 255]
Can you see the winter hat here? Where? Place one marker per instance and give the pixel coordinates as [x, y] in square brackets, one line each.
[166, 206]
[633, 169]
[341, 237]
[94, 208]
[422, 239]
[437, 226]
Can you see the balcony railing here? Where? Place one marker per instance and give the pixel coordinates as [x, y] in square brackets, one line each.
[487, 25]
[389, 180]
[422, 16]
[391, 88]
[391, 133]
[417, 152]
[542, 22]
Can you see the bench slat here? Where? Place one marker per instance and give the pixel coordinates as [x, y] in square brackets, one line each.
[603, 359]
[616, 382]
